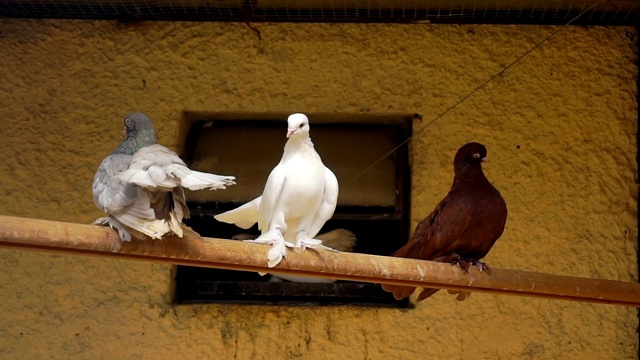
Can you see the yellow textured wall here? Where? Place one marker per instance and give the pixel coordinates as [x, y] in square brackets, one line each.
[560, 128]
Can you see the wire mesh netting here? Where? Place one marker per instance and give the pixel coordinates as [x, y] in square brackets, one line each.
[611, 12]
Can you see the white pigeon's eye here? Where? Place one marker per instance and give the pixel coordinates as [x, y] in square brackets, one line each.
[300, 125]
[476, 155]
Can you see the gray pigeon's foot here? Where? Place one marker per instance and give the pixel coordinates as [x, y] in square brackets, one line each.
[101, 221]
[278, 246]
[114, 224]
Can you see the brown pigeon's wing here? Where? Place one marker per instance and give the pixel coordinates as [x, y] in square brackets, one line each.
[487, 232]
[438, 234]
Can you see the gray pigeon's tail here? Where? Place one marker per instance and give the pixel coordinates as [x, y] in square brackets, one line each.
[197, 180]
[128, 225]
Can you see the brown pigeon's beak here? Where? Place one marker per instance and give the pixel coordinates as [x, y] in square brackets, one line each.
[484, 159]
[290, 132]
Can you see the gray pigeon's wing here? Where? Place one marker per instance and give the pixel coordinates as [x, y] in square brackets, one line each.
[110, 193]
[155, 166]
[124, 201]
[328, 205]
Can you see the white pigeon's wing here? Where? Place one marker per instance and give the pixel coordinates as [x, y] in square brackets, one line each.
[271, 196]
[244, 216]
[155, 166]
[328, 205]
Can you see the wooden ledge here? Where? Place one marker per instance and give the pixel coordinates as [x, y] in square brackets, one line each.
[52, 236]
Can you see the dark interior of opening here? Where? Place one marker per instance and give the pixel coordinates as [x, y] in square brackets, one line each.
[380, 230]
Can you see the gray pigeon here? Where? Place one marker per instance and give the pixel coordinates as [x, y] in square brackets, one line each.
[141, 184]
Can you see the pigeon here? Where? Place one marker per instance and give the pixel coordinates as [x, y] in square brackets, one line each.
[338, 239]
[464, 225]
[141, 184]
[299, 197]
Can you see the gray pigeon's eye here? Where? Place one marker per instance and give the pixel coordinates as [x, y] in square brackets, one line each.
[127, 121]
[476, 155]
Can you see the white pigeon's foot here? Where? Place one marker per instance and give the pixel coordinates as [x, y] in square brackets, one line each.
[303, 242]
[278, 246]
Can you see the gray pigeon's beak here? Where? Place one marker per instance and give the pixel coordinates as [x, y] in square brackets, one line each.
[290, 132]
[124, 131]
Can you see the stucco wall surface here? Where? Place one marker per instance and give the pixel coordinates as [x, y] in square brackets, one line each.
[560, 128]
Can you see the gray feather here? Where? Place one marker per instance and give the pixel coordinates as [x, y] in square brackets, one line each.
[141, 184]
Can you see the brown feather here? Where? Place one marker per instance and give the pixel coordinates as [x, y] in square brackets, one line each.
[464, 225]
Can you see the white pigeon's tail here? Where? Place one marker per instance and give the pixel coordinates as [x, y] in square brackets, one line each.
[338, 239]
[196, 180]
[244, 216]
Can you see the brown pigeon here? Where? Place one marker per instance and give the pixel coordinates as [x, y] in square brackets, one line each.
[464, 225]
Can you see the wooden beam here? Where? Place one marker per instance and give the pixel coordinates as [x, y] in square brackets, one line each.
[33, 234]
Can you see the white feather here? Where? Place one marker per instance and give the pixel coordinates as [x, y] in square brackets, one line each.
[299, 197]
[244, 216]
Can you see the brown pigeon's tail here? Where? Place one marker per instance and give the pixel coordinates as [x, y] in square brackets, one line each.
[399, 292]
[461, 295]
[426, 292]
[413, 250]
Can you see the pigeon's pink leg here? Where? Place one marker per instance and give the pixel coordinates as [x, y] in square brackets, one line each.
[303, 242]
[481, 265]
[279, 246]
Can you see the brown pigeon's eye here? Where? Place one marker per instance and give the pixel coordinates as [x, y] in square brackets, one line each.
[476, 155]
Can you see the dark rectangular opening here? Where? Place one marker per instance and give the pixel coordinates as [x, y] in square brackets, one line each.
[374, 205]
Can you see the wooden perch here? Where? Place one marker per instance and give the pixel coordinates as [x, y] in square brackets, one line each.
[32, 234]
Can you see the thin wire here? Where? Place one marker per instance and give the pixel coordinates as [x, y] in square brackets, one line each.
[475, 90]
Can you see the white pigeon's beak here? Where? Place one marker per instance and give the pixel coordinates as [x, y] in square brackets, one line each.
[290, 132]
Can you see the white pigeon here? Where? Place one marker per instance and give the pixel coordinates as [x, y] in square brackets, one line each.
[338, 239]
[141, 184]
[299, 197]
